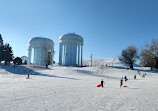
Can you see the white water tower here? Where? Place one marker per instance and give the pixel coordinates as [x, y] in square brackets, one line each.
[71, 50]
[40, 51]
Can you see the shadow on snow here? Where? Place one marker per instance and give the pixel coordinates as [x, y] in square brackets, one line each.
[90, 73]
[22, 70]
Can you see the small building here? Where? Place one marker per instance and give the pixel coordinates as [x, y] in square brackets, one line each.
[40, 51]
[70, 50]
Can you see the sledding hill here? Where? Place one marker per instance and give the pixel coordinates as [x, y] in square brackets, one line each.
[61, 88]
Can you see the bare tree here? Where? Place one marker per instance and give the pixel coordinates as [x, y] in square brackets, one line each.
[149, 54]
[47, 51]
[129, 56]
[146, 58]
[24, 59]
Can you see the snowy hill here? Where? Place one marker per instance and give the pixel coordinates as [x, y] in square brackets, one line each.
[104, 62]
[61, 88]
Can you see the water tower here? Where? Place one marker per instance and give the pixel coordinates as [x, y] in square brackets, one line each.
[40, 51]
[70, 50]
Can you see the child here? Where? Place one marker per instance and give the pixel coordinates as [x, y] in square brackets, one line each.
[121, 82]
[125, 78]
[134, 76]
[138, 72]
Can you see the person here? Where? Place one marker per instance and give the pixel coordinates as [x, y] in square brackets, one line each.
[28, 76]
[138, 72]
[134, 76]
[143, 76]
[125, 78]
[102, 82]
[121, 82]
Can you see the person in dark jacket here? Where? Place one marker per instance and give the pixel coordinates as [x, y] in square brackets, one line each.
[134, 76]
[102, 82]
[121, 82]
[125, 78]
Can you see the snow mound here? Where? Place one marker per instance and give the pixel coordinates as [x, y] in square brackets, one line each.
[104, 62]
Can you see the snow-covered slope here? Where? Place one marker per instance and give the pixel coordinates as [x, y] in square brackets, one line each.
[62, 88]
[103, 62]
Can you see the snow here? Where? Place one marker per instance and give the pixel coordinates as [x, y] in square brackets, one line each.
[61, 88]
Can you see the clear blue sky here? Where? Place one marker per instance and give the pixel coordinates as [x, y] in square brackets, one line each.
[107, 26]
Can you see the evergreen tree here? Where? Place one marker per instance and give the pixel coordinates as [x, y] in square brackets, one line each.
[17, 61]
[1, 53]
[8, 53]
[1, 48]
[1, 40]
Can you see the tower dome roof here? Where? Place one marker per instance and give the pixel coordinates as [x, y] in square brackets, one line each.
[71, 36]
[40, 41]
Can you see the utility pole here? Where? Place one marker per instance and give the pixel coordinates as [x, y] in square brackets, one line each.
[91, 59]
[113, 61]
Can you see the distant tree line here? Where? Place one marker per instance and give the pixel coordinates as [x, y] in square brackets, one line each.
[6, 52]
[148, 55]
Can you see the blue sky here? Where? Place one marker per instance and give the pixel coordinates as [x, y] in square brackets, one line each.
[107, 26]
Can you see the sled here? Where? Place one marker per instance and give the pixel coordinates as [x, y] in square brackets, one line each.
[28, 78]
[99, 85]
[124, 86]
